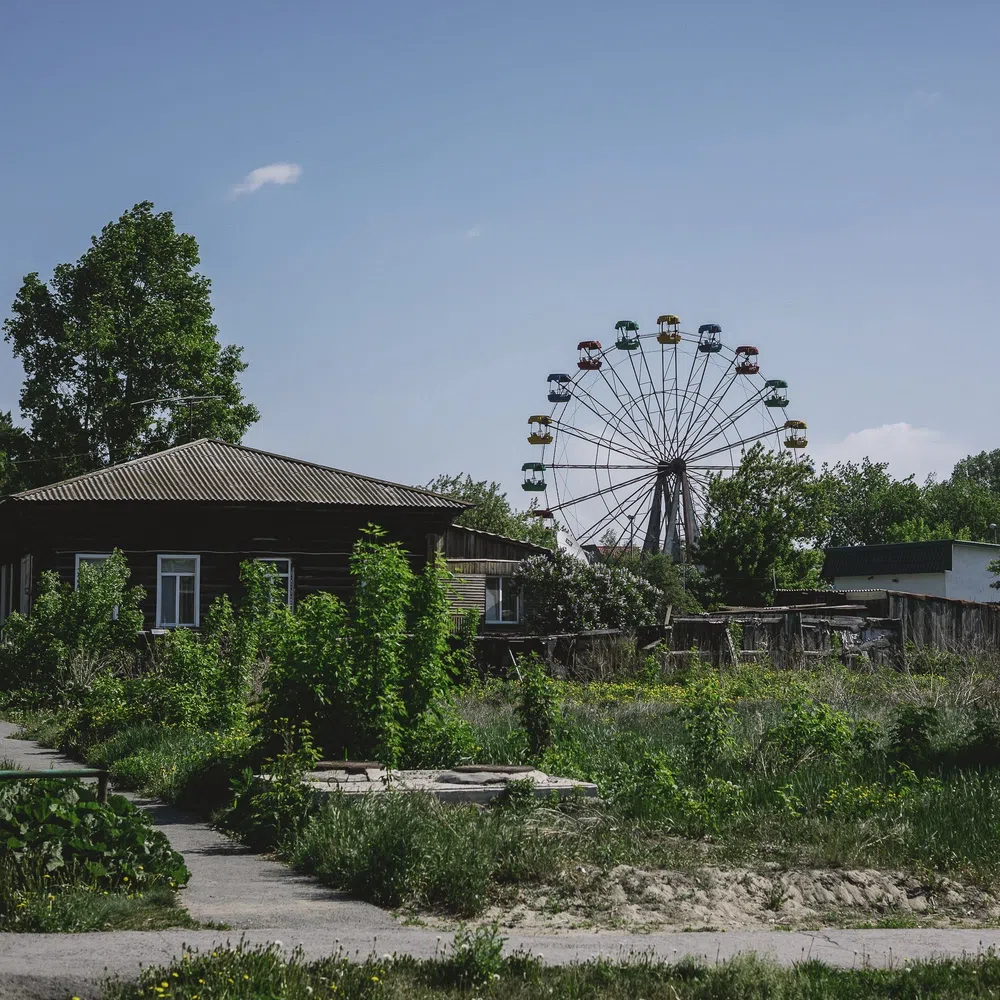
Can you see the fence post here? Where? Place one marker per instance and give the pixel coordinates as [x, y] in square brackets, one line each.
[102, 787]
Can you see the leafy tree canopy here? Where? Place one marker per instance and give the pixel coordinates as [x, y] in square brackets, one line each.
[111, 340]
[763, 525]
[492, 510]
[983, 469]
[866, 504]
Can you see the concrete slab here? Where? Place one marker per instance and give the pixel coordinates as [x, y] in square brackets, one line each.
[481, 784]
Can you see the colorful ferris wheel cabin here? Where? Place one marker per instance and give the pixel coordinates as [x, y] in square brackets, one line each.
[627, 335]
[540, 433]
[796, 434]
[746, 360]
[778, 396]
[559, 387]
[710, 338]
[590, 355]
[670, 329]
[534, 480]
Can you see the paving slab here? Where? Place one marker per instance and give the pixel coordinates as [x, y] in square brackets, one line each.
[478, 783]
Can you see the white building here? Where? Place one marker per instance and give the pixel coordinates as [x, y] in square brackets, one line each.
[956, 570]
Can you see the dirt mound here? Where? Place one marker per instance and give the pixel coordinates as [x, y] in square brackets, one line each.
[718, 898]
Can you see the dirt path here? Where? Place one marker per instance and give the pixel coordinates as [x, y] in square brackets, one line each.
[268, 903]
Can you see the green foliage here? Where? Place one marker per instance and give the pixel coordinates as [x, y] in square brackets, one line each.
[709, 720]
[538, 707]
[866, 504]
[59, 843]
[760, 524]
[492, 511]
[566, 594]
[86, 339]
[476, 958]
[994, 568]
[251, 972]
[269, 810]
[72, 636]
[679, 584]
[364, 675]
[394, 849]
[810, 730]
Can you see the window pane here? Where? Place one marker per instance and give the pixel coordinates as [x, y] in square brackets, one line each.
[509, 607]
[92, 560]
[186, 584]
[168, 600]
[492, 599]
[185, 565]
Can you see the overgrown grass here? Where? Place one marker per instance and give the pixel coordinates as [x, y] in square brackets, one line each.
[478, 968]
[825, 767]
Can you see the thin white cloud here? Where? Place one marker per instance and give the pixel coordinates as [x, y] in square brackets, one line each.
[473, 233]
[273, 173]
[907, 449]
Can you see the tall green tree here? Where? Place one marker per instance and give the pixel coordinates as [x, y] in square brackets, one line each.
[111, 341]
[763, 526]
[983, 469]
[867, 505]
[492, 510]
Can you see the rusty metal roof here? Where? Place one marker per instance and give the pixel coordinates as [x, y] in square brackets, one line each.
[210, 471]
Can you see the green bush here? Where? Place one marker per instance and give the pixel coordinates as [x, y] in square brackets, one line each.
[72, 636]
[538, 705]
[566, 594]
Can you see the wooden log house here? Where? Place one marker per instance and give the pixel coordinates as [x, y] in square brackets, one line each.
[185, 518]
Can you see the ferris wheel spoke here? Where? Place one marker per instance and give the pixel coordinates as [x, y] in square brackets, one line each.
[554, 465]
[611, 516]
[634, 403]
[676, 437]
[610, 416]
[726, 420]
[644, 396]
[573, 501]
[595, 439]
[657, 400]
[698, 404]
[737, 444]
[710, 406]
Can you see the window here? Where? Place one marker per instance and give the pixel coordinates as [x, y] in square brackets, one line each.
[282, 570]
[177, 590]
[91, 559]
[503, 601]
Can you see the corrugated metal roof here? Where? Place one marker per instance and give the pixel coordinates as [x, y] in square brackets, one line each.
[212, 471]
[896, 558]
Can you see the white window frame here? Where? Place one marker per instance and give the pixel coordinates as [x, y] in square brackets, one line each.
[289, 574]
[159, 589]
[80, 556]
[499, 604]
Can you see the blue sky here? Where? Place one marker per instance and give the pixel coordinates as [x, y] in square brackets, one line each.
[480, 186]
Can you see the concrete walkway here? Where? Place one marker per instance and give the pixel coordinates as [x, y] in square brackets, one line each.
[265, 902]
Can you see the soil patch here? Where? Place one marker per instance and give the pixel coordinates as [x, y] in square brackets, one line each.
[738, 899]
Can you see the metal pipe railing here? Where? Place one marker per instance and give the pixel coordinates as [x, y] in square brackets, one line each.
[65, 772]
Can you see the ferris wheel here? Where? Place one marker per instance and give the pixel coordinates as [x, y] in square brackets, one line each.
[637, 432]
